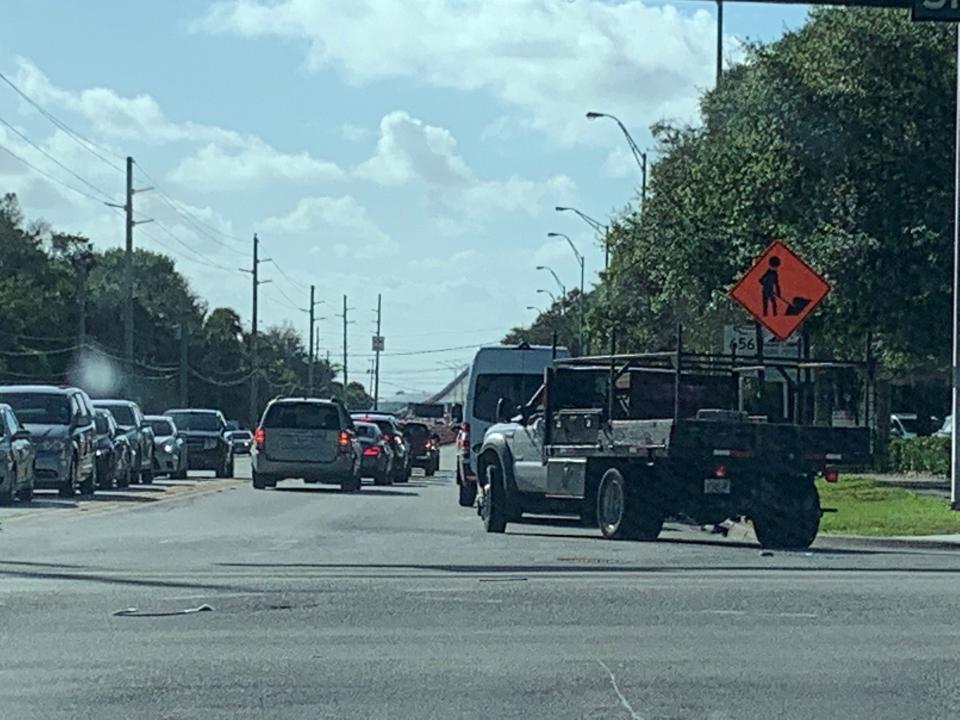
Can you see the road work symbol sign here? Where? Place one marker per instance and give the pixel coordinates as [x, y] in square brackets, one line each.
[780, 290]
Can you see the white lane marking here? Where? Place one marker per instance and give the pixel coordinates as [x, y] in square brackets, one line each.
[616, 688]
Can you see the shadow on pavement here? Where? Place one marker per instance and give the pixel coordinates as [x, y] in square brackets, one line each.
[368, 490]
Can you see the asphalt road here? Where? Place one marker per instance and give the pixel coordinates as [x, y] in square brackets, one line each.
[395, 604]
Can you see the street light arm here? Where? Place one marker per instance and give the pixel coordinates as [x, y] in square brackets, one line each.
[595, 224]
[563, 289]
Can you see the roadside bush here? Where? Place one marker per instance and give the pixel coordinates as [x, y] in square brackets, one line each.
[919, 454]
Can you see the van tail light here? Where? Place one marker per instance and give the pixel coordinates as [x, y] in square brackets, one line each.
[831, 474]
[259, 437]
[371, 451]
[463, 438]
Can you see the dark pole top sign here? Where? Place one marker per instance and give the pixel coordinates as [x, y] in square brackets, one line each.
[942, 10]
[780, 290]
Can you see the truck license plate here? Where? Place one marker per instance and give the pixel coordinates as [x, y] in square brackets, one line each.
[716, 486]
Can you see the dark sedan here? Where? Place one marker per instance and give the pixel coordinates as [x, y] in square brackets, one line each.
[114, 456]
[376, 454]
[424, 452]
[205, 433]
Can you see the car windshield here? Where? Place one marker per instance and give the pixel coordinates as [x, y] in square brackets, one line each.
[161, 428]
[302, 416]
[102, 424]
[123, 414]
[199, 421]
[240, 435]
[516, 389]
[39, 408]
[367, 430]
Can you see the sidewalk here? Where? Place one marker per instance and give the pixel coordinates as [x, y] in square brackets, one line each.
[918, 482]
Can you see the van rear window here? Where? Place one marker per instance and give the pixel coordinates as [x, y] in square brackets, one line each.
[302, 416]
[516, 389]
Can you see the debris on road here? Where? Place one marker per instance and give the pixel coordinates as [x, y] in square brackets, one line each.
[134, 612]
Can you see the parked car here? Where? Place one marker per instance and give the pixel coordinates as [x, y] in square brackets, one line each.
[391, 429]
[376, 452]
[205, 433]
[16, 459]
[905, 425]
[424, 452]
[131, 421]
[242, 441]
[60, 421]
[306, 438]
[169, 448]
[114, 465]
[946, 430]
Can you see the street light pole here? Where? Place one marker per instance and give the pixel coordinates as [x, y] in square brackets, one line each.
[563, 288]
[580, 259]
[597, 226]
[639, 155]
[955, 398]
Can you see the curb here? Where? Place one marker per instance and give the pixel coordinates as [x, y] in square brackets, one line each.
[744, 533]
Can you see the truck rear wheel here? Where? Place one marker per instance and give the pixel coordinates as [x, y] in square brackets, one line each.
[622, 513]
[788, 516]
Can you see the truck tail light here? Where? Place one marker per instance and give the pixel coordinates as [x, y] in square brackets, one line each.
[259, 437]
[831, 474]
[720, 471]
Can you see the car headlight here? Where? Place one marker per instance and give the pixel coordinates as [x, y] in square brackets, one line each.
[169, 447]
[99, 453]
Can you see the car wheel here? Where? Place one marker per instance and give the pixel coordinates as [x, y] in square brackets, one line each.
[468, 493]
[69, 486]
[25, 494]
[125, 479]
[89, 484]
[351, 485]
[259, 481]
[231, 469]
[6, 492]
[105, 480]
[146, 476]
[493, 508]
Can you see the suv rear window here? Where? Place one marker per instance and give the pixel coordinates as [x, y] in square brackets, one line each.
[366, 430]
[196, 420]
[161, 428]
[418, 431]
[302, 416]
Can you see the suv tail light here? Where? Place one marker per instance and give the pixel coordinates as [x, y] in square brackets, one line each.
[344, 439]
[371, 451]
[259, 437]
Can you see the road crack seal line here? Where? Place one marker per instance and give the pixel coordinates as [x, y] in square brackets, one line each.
[616, 688]
[134, 612]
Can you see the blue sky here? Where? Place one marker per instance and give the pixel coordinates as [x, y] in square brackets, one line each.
[411, 147]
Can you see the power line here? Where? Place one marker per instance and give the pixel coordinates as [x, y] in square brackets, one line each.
[52, 178]
[293, 303]
[198, 259]
[56, 161]
[285, 275]
[198, 224]
[86, 143]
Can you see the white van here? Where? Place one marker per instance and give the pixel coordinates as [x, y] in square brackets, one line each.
[512, 372]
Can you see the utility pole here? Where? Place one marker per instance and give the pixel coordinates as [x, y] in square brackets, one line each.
[378, 346]
[254, 369]
[643, 180]
[127, 207]
[719, 40]
[955, 398]
[345, 381]
[313, 304]
[128, 271]
[183, 336]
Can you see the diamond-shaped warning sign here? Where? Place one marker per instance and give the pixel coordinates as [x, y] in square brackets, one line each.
[780, 290]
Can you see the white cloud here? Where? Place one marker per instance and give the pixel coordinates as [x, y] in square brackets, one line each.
[329, 218]
[213, 167]
[411, 152]
[620, 163]
[226, 159]
[551, 60]
[354, 133]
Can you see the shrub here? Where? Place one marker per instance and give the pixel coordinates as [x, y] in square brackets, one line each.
[920, 454]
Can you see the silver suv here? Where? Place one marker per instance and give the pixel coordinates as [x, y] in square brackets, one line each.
[306, 438]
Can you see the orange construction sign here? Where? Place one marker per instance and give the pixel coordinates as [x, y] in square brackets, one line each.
[780, 290]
